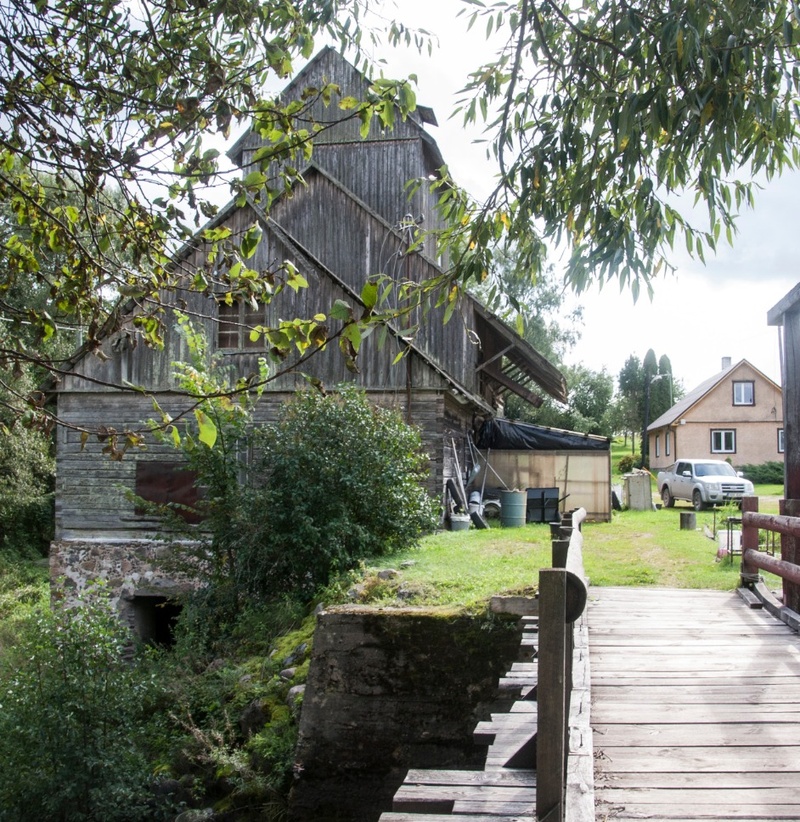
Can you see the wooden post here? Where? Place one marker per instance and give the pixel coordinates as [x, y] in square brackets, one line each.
[560, 549]
[749, 573]
[551, 738]
[791, 439]
[790, 552]
[787, 314]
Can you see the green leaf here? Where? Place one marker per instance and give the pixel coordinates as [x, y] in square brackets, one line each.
[207, 431]
[250, 241]
[369, 294]
[341, 311]
[352, 333]
[254, 180]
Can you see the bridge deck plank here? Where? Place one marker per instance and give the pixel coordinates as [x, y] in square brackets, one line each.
[695, 708]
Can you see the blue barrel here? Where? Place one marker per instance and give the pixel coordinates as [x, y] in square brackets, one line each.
[512, 508]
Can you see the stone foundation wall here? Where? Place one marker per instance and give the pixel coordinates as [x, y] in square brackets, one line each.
[127, 569]
[387, 691]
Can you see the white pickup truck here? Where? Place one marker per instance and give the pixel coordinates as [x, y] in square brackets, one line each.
[703, 483]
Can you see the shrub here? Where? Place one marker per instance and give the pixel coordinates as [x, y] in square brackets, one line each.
[337, 480]
[626, 464]
[334, 480]
[70, 734]
[27, 472]
[768, 473]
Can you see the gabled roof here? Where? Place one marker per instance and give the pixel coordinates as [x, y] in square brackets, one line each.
[518, 369]
[695, 395]
[423, 115]
[513, 364]
[521, 364]
[270, 224]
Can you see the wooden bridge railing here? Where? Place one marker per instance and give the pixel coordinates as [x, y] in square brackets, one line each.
[754, 560]
[562, 599]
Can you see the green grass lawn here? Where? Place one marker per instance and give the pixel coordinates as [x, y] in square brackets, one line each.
[465, 568]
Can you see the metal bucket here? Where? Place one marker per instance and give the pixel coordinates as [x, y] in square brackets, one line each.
[460, 522]
[512, 508]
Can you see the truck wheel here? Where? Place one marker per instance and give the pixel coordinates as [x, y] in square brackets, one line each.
[667, 498]
[697, 501]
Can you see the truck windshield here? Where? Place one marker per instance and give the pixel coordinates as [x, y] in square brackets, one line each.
[714, 469]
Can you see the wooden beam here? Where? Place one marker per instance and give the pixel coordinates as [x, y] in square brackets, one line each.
[551, 759]
[776, 313]
[534, 399]
[497, 356]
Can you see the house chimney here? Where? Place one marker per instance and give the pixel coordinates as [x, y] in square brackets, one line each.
[726, 363]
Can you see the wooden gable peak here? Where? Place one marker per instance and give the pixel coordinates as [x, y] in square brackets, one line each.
[423, 115]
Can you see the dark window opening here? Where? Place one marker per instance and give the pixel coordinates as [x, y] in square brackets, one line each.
[154, 619]
[235, 324]
[723, 441]
[166, 482]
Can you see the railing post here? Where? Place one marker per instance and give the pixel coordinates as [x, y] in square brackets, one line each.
[749, 573]
[790, 552]
[551, 737]
[560, 550]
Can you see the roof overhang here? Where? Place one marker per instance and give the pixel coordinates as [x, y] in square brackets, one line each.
[512, 365]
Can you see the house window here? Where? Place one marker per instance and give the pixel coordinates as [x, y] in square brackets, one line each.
[723, 441]
[744, 393]
[667, 442]
[658, 446]
[235, 323]
[780, 440]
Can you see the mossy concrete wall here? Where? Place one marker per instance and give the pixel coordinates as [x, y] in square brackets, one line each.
[390, 690]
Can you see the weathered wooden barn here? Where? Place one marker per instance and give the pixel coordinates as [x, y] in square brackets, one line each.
[347, 220]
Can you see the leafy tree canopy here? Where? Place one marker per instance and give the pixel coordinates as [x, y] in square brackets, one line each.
[102, 95]
[600, 114]
[536, 305]
[587, 405]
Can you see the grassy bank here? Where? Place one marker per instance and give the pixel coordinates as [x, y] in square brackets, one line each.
[636, 548]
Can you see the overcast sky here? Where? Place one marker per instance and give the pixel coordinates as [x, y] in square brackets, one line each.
[698, 316]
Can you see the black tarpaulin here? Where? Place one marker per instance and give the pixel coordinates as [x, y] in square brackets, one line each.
[504, 435]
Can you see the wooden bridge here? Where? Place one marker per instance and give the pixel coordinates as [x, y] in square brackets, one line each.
[685, 705]
[695, 707]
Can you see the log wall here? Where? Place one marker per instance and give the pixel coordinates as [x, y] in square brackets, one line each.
[93, 491]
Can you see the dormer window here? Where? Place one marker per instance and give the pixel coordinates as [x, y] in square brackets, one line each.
[236, 321]
[744, 393]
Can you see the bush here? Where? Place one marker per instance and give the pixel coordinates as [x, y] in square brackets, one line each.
[70, 734]
[768, 473]
[337, 480]
[626, 464]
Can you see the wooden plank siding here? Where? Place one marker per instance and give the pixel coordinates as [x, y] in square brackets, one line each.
[338, 227]
[92, 490]
[450, 346]
[387, 159]
[695, 707]
[581, 477]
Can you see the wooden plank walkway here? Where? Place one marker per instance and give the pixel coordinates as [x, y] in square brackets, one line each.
[695, 707]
